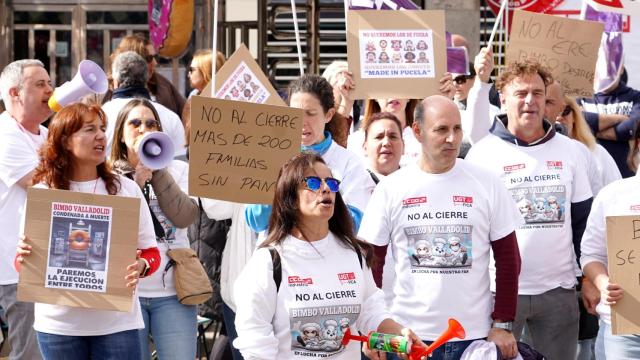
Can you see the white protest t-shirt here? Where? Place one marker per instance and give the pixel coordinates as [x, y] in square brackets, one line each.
[73, 321]
[619, 198]
[323, 291]
[18, 156]
[543, 180]
[439, 227]
[175, 238]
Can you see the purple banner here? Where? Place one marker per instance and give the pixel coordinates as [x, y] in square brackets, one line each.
[457, 60]
[382, 5]
[610, 55]
[611, 21]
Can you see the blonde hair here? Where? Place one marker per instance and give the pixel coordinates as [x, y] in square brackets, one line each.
[203, 60]
[581, 130]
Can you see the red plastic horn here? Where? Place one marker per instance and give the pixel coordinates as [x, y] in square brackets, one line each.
[348, 337]
[455, 330]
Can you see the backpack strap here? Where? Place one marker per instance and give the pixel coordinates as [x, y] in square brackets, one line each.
[277, 267]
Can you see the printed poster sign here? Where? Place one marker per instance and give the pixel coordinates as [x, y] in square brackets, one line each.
[439, 248]
[623, 240]
[396, 54]
[243, 85]
[569, 48]
[242, 79]
[237, 148]
[318, 331]
[399, 54]
[78, 247]
[81, 246]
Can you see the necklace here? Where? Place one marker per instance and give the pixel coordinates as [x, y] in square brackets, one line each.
[95, 185]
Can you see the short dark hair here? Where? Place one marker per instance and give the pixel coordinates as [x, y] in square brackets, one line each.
[366, 123]
[418, 114]
[315, 85]
[635, 142]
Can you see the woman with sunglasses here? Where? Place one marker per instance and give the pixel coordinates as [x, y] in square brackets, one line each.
[310, 281]
[578, 129]
[619, 198]
[171, 323]
[73, 158]
[314, 95]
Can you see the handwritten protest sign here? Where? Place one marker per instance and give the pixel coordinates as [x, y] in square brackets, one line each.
[396, 53]
[569, 48]
[82, 244]
[237, 148]
[241, 79]
[623, 254]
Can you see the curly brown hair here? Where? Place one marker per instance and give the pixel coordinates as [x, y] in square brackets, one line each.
[523, 68]
[55, 165]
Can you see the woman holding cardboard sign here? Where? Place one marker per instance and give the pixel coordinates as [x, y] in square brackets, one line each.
[171, 323]
[314, 95]
[73, 158]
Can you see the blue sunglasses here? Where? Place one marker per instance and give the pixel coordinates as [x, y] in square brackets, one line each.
[314, 183]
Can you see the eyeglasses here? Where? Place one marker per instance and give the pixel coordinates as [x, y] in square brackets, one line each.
[567, 110]
[313, 183]
[461, 80]
[148, 123]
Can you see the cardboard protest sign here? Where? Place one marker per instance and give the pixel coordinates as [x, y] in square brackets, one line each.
[82, 244]
[623, 248]
[241, 79]
[400, 54]
[237, 148]
[569, 48]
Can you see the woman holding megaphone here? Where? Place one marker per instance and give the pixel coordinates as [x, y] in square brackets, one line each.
[171, 323]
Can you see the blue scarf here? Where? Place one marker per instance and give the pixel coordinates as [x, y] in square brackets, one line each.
[321, 147]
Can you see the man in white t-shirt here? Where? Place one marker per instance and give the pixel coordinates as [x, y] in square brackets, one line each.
[441, 217]
[545, 174]
[130, 74]
[26, 88]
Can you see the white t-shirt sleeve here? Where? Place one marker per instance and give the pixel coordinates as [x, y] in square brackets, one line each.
[505, 216]
[374, 310]
[357, 185]
[16, 157]
[478, 114]
[146, 232]
[594, 240]
[607, 166]
[256, 300]
[375, 227]
[219, 209]
[581, 185]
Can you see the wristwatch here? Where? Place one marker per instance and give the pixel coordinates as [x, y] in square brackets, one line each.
[507, 325]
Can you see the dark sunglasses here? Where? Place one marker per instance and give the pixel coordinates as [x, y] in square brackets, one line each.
[460, 80]
[192, 69]
[149, 123]
[567, 110]
[314, 183]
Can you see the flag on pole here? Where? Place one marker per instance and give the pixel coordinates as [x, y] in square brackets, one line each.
[627, 7]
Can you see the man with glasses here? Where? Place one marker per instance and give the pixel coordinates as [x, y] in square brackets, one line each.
[26, 89]
[441, 217]
[130, 75]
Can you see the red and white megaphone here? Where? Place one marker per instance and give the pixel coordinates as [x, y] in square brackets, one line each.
[90, 79]
[155, 150]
